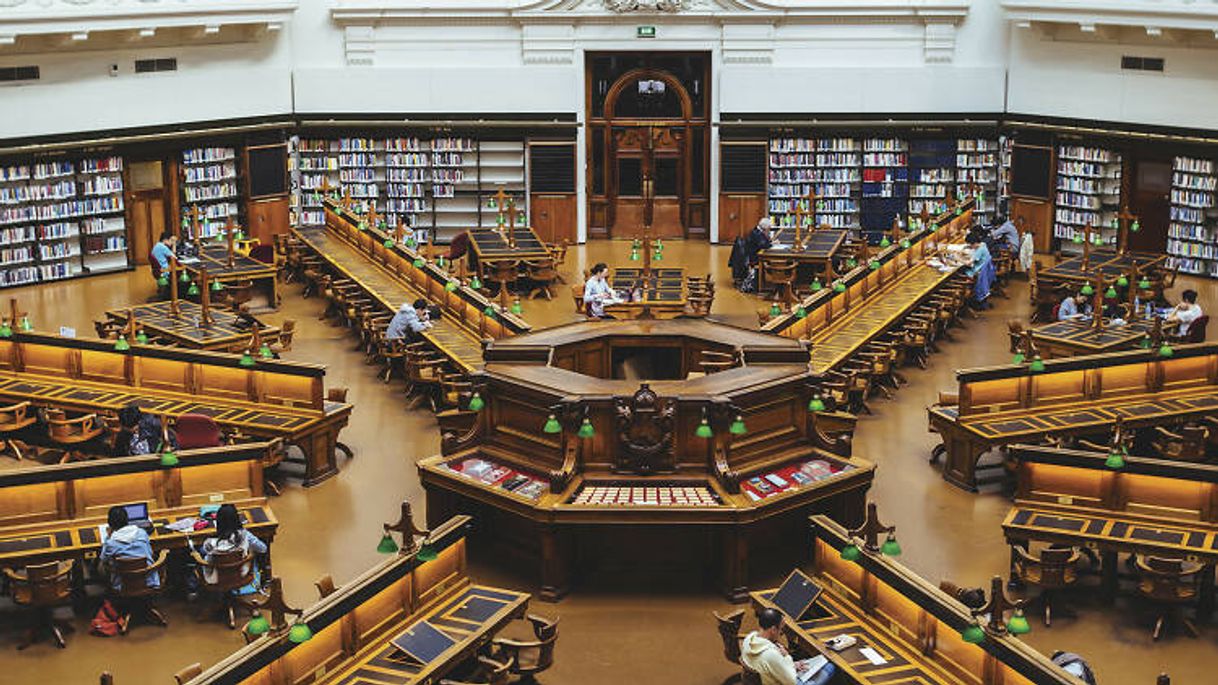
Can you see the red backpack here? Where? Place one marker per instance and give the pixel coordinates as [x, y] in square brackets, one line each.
[106, 622]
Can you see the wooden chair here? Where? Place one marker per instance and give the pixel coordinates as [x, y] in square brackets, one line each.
[135, 592]
[729, 633]
[41, 588]
[13, 419]
[424, 368]
[559, 252]
[542, 273]
[196, 431]
[502, 272]
[325, 586]
[1188, 444]
[748, 676]
[392, 353]
[1056, 568]
[71, 433]
[187, 674]
[230, 570]
[339, 394]
[532, 656]
[109, 329]
[453, 389]
[1195, 332]
[1169, 584]
[577, 294]
[1014, 334]
[780, 275]
[488, 672]
[286, 333]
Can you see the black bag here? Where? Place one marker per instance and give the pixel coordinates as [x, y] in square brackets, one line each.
[749, 284]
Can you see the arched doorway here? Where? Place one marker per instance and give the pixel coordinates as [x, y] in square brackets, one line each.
[644, 119]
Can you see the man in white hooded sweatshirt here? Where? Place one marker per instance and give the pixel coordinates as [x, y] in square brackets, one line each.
[761, 651]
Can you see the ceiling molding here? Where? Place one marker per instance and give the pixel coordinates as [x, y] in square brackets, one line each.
[46, 17]
[1164, 14]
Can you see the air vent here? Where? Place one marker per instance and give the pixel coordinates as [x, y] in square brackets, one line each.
[144, 66]
[1142, 63]
[30, 73]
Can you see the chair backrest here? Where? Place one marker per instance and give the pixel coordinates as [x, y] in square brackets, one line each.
[547, 634]
[197, 430]
[459, 245]
[577, 293]
[325, 585]
[43, 584]
[263, 253]
[337, 395]
[729, 632]
[64, 430]
[132, 573]
[1196, 329]
[186, 674]
[1055, 565]
[502, 270]
[15, 416]
[748, 676]
[233, 569]
[1165, 579]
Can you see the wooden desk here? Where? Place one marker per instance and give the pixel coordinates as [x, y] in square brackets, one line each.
[819, 248]
[488, 244]
[911, 623]
[1149, 506]
[214, 256]
[224, 335]
[1068, 275]
[663, 295]
[1002, 405]
[352, 628]
[273, 399]
[1075, 337]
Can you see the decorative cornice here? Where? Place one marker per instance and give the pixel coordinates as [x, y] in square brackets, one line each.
[1199, 15]
[41, 17]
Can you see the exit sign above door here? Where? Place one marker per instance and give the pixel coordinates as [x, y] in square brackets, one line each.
[645, 32]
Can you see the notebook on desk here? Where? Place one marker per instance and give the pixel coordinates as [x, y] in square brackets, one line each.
[422, 642]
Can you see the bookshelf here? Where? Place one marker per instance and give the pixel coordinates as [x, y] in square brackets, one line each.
[407, 173]
[1004, 173]
[501, 166]
[314, 161]
[885, 182]
[1088, 192]
[103, 226]
[1191, 236]
[932, 176]
[454, 186]
[978, 163]
[209, 182]
[829, 166]
[359, 171]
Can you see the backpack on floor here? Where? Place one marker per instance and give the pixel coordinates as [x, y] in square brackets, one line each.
[105, 623]
[749, 284]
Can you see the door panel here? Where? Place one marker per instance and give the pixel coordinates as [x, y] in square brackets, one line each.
[147, 223]
[1151, 202]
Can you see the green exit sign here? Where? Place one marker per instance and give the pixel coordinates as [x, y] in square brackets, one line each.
[645, 32]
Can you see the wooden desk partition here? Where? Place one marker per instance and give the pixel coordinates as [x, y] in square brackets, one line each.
[272, 399]
[1149, 506]
[911, 623]
[1001, 405]
[352, 628]
[225, 334]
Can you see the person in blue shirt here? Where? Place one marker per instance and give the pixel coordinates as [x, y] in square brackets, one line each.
[1073, 307]
[597, 291]
[1006, 235]
[125, 540]
[409, 322]
[162, 252]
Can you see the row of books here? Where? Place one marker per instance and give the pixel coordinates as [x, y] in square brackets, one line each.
[42, 192]
[202, 193]
[813, 144]
[1188, 248]
[810, 175]
[208, 155]
[835, 159]
[839, 206]
[1191, 181]
[1187, 265]
[60, 210]
[1192, 198]
[1088, 154]
[209, 172]
[821, 189]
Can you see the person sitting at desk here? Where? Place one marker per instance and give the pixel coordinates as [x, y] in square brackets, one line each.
[1073, 307]
[761, 651]
[1185, 313]
[409, 322]
[597, 291]
[1006, 236]
[982, 268]
[125, 540]
[161, 253]
[231, 535]
[141, 433]
[760, 238]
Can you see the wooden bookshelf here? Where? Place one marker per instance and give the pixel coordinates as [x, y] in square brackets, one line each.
[407, 174]
[209, 181]
[313, 163]
[360, 171]
[932, 176]
[1192, 238]
[827, 166]
[885, 182]
[978, 164]
[501, 165]
[1088, 193]
[103, 229]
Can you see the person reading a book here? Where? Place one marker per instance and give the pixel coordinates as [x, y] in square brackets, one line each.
[1006, 236]
[1185, 313]
[762, 652]
[409, 322]
[597, 291]
[125, 540]
[1073, 307]
[760, 238]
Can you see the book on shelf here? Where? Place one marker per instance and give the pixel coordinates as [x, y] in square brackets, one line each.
[827, 166]
[1088, 193]
[209, 176]
[1193, 232]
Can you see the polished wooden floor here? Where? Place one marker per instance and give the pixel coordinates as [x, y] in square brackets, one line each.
[611, 633]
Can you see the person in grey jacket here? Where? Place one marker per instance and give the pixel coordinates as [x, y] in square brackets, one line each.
[125, 540]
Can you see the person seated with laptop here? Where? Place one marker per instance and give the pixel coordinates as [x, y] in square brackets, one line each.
[762, 651]
[127, 537]
[231, 535]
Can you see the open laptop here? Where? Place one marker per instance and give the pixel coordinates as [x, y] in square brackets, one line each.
[137, 515]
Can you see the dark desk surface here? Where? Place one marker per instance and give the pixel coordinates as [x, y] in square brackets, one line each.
[666, 285]
[818, 244]
[1081, 334]
[215, 257]
[678, 328]
[1108, 263]
[489, 243]
[157, 321]
[1113, 531]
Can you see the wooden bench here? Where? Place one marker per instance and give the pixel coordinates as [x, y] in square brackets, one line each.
[1002, 405]
[272, 399]
[912, 624]
[1148, 506]
[353, 627]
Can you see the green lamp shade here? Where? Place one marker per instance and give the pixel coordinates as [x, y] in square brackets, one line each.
[636, 244]
[1018, 625]
[800, 312]
[737, 427]
[1122, 282]
[816, 404]
[634, 255]
[162, 281]
[299, 632]
[452, 285]
[959, 211]
[816, 286]
[6, 331]
[851, 552]
[363, 225]
[440, 261]
[492, 204]
[499, 220]
[552, 425]
[185, 277]
[265, 351]
[240, 235]
[1145, 342]
[891, 548]
[1037, 364]
[1135, 226]
[517, 309]
[1116, 223]
[659, 245]
[775, 310]
[1087, 290]
[973, 634]
[418, 262]
[25, 324]
[247, 360]
[141, 337]
[658, 255]
[1111, 292]
[852, 262]
[217, 286]
[1018, 358]
[874, 264]
[169, 458]
[933, 227]
[1165, 350]
[1077, 239]
[905, 244]
[489, 312]
[885, 242]
[704, 430]
[426, 552]
[475, 282]
[388, 243]
[412, 243]
[585, 429]
[193, 290]
[120, 346]
[257, 625]
[476, 403]
[1144, 284]
[839, 287]
[1115, 460]
[387, 545]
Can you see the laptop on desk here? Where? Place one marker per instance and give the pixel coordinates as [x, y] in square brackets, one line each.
[137, 515]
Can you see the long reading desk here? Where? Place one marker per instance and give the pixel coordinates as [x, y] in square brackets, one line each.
[819, 247]
[226, 333]
[662, 296]
[215, 258]
[354, 628]
[913, 626]
[1001, 405]
[272, 399]
[1148, 506]
[1079, 336]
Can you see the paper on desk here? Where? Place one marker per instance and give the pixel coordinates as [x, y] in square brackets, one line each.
[780, 246]
[873, 656]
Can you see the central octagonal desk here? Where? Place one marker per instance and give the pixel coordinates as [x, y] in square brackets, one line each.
[603, 447]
